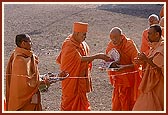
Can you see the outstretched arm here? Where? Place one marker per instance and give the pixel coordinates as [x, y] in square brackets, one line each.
[96, 56]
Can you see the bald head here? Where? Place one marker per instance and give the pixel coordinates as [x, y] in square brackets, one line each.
[116, 36]
[116, 30]
[161, 23]
[153, 19]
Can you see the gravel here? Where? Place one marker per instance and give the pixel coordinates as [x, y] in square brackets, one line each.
[50, 24]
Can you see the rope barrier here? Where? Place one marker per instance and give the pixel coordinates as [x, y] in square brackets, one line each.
[80, 77]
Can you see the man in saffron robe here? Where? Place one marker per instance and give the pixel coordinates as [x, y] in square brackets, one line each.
[22, 78]
[152, 19]
[126, 80]
[74, 58]
[151, 88]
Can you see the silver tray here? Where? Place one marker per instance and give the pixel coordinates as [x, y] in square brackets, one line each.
[114, 69]
[53, 77]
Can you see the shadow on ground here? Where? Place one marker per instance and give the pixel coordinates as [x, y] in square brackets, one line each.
[139, 10]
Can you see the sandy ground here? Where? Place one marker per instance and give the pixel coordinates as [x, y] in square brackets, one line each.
[50, 24]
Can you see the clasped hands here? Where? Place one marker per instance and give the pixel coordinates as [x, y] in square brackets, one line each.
[140, 59]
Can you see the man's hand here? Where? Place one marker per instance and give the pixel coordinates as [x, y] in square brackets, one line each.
[140, 59]
[103, 57]
[62, 75]
[44, 83]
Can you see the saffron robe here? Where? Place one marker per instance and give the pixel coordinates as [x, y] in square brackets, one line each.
[22, 82]
[151, 97]
[125, 86]
[78, 84]
[144, 42]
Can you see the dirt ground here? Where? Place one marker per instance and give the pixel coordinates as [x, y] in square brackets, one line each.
[50, 24]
